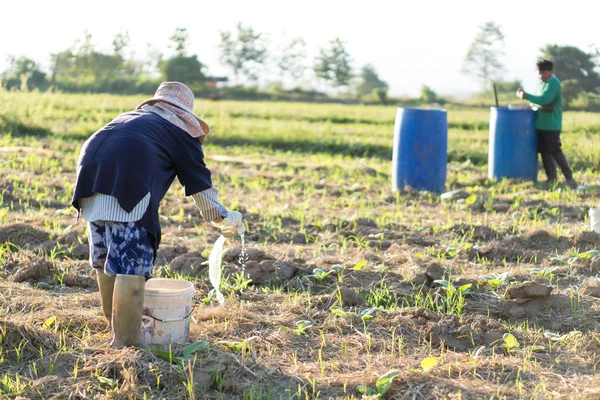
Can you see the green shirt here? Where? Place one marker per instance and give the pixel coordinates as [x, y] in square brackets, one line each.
[549, 104]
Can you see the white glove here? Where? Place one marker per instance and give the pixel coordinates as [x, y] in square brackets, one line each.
[232, 225]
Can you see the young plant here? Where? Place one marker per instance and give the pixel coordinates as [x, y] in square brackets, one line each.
[497, 280]
[454, 300]
[383, 384]
[302, 327]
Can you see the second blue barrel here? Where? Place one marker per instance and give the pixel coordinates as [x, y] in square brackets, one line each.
[420, 152]
[512, 149]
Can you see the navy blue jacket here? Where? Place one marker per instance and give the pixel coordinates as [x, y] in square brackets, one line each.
[136, 153]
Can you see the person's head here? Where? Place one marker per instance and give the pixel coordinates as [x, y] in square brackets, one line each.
[180, 99]
[545, 69]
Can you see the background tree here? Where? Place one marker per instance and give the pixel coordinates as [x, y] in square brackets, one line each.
[23, 71]
[428, 96]
[180, 41]
[381, 94]
[120, 42]
[570, 91]
[333, 64]
[245, 53]
[369, 80]
[289, 58]
[483, 57]
[572, 63]
[182, 68]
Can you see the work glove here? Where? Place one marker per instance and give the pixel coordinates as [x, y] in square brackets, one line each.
[232, 225]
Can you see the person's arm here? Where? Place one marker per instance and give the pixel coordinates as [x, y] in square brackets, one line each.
[209, 206]
[196, 178]
[547, 96]
[550, 107]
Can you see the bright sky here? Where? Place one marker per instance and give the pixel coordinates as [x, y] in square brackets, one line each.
[410, 43]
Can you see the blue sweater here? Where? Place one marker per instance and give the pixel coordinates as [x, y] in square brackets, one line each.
[137, 153]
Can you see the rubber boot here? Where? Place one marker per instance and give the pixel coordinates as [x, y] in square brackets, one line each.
[128, 303]
[549, 166]
[563, 163]
[106, 284]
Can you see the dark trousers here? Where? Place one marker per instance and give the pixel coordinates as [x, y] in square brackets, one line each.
[549, 147]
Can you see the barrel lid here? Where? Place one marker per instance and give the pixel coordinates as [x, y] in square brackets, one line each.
[168, 286]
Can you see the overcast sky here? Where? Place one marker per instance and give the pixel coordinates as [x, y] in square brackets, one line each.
[410, 43]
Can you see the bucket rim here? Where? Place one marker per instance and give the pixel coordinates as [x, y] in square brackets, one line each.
[186, 288]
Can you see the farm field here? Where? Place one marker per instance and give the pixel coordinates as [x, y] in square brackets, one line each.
[347, 284]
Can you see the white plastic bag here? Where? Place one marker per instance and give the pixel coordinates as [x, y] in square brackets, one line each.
[214, 267]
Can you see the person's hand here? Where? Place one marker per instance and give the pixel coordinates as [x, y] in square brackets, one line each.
[521, 94]
[232, 225]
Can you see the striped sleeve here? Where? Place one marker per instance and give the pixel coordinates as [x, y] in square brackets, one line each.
[207, 202]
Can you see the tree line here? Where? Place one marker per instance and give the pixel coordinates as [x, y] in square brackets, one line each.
[245, 52]
[249, 55]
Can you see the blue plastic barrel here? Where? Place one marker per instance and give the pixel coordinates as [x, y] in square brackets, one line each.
[513, 144]
[420, 149]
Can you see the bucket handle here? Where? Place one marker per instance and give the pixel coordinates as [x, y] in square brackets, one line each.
[173, 319]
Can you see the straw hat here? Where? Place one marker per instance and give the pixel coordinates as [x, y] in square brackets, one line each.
[179, 95]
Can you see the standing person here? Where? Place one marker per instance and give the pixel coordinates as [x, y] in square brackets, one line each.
[548, 122]
[124, 171]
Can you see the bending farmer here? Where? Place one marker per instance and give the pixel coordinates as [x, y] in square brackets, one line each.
[548, 122]
[124, 171]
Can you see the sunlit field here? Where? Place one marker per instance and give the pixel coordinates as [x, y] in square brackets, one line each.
[350, 291]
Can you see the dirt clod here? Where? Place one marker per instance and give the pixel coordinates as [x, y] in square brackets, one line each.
[587, 239]
[434, 272]
[80, 251]
[350, 298]
[188, 263]
[299, 238]
[591, 287]
[232, 255]
[36, 271]
[419, 279]
[269, 271]
[80, 281]
[23, 235]
[166, 254]
[528, 290]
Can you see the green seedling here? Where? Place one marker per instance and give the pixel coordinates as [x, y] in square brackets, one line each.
[383, 384]
[49, 322]
[454, 300]
[240, 282]
[338, 311]
[302, 327]
[360, 265]
[188, 353]
[368, 314]
[511, 344]
[547, 272]
[562, 338]
[450, 252]
[428, 363]
[320, 274]
[497, 280]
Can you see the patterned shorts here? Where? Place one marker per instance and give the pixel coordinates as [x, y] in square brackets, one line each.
[121, 248]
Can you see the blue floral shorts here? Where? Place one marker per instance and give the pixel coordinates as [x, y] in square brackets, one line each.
[120, 248]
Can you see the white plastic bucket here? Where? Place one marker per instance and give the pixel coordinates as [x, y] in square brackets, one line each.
[595, 219]
[167, 311]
